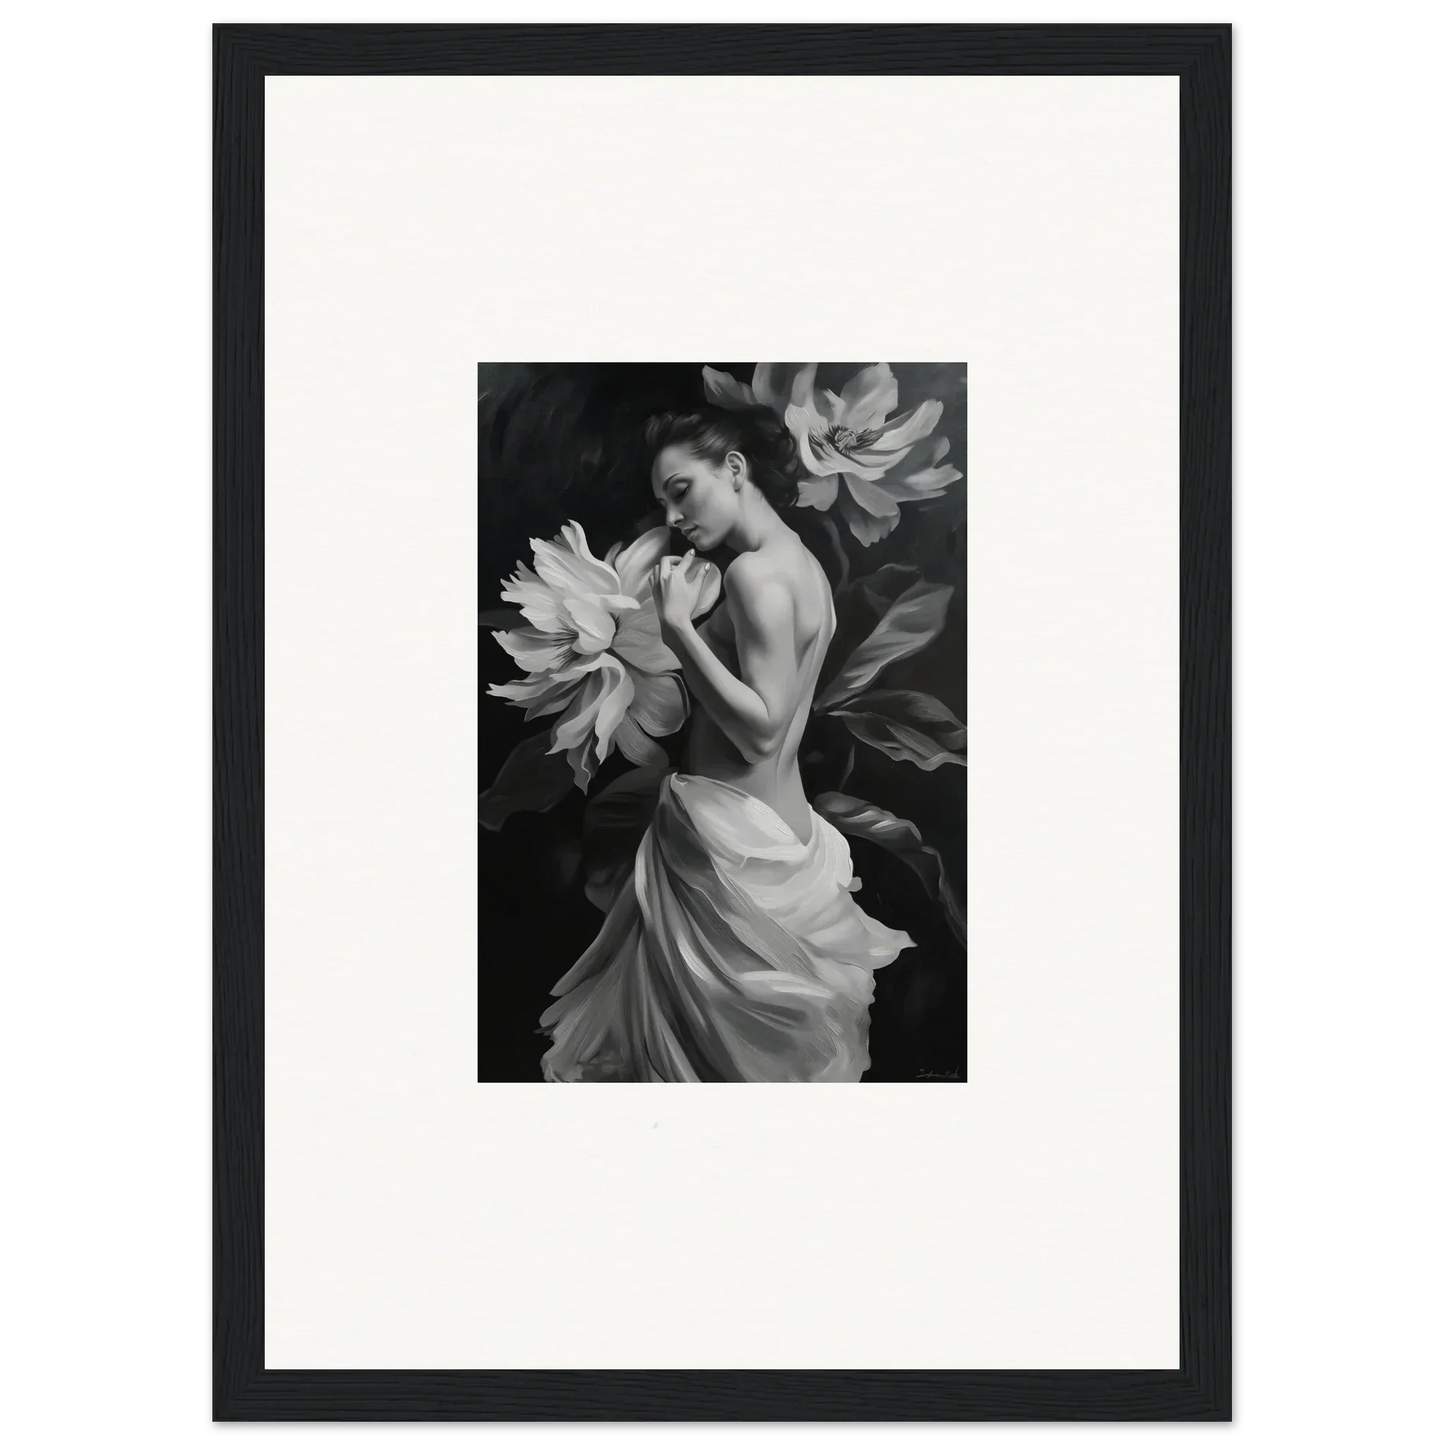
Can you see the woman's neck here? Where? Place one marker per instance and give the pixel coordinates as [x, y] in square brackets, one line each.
[758, 524]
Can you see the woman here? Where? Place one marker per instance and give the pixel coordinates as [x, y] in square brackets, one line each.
[737, 952]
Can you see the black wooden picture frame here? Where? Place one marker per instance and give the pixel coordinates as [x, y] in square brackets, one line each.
[243, 1388]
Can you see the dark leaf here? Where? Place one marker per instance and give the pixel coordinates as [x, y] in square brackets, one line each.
[909, 625]
[911, 727]
[531, 781]
[881, 589]
[500, 619]
[612, 827]
[860, 819]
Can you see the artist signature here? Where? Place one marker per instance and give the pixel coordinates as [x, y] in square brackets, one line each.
[937, 1074]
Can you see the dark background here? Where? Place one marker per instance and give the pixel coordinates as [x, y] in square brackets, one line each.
[561, 441]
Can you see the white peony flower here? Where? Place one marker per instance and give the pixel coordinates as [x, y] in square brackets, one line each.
[852, 451]
[593, 650]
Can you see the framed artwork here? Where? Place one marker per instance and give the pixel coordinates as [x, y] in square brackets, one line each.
[832, 721]
[848, 494]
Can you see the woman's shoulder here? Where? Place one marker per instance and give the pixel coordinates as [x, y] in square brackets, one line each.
[749, 568]
[776, 582]
[758, 581]
[786, 566]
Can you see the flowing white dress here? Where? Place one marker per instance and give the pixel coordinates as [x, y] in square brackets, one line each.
[736, 953]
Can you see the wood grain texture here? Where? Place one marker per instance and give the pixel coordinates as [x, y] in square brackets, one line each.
[242, 1388]
[238, 722]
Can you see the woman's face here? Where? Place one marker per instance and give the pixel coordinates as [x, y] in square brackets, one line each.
[701, 497]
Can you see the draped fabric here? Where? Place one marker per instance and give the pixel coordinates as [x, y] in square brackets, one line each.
[736, 954]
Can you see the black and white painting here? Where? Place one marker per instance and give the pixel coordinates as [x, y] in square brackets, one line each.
[722, 733]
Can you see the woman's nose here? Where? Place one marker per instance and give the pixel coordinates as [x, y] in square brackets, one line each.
[673, 516]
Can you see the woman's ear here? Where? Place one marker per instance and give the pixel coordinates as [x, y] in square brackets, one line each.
[737, 464]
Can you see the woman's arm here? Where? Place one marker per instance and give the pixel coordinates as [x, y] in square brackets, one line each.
[752, 709]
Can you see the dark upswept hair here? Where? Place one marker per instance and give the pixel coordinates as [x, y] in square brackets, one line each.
[713, 431]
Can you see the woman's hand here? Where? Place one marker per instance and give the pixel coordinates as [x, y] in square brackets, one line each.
[677, 587]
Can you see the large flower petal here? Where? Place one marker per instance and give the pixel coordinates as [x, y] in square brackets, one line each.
[819, 492]
[871, 498]
[540, 603]
[543, 694]
[847, 460]
[771, 385]
[873, 462]
[869, 397]
[576, 539]
[583, 758]
[599, 704]
[870, 512]
[725, 390]
[803, 423]
[926, 474]
[864, 525]
[554, 700]
[616, 703]
[637, 559]
[804, 384]
[575, 671]
[637, 747]
[930, 482]
[571, 572]
[539, 694]
[594, 624]
[912, 426]
[523, 692]
[658, 705]
[580, 718]
[929, 453]
[638, 642]
[536, 651]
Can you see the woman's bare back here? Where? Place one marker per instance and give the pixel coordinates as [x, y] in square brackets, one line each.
[773, 778]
